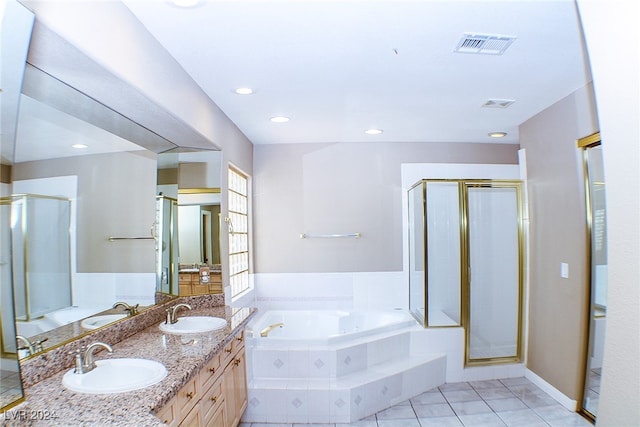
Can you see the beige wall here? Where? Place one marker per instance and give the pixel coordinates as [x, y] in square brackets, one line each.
[557, 306]
[108, 204]
[342, 188]
[613, 39]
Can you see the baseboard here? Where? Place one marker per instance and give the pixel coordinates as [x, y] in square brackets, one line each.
[563, 399]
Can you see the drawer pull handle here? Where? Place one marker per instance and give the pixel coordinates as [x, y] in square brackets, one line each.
[214, 399]
[190, 395]
[236, 362]
[239, 339]
[212, 370]
[228, 350]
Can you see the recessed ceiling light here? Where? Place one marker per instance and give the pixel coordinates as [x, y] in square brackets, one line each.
[79, 146]
[497, 134]
[279, 119]
[244, 91]
[373, 131]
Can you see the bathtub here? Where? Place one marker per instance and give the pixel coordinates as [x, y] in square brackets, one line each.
[325, 327]
[334, 366]
[54, 320]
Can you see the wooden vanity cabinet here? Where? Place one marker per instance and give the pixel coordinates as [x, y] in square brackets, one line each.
[217, 396]
[235, 388]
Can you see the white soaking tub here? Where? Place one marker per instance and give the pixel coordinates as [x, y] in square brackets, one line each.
[324, 327]
[322, 366]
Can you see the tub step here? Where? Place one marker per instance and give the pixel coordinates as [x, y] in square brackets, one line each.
[328, 363]
[346, 398]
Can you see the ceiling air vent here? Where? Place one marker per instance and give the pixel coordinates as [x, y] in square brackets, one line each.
[486, 44]
[498, 103]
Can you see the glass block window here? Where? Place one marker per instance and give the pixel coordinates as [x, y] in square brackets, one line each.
[238, 232]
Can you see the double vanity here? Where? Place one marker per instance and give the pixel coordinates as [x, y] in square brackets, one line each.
[178, 363]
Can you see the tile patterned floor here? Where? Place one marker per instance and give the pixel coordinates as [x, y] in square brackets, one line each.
[513, 402]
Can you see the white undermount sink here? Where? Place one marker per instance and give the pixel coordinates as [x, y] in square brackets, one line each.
[116, 376]
[194, 325]
[95, 322]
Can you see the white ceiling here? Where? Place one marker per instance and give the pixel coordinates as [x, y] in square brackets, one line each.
[337, 68]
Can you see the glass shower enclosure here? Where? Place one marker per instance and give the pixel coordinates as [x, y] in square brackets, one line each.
[466, 252]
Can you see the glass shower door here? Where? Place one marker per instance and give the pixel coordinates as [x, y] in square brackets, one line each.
[434, 255]
[494, 246]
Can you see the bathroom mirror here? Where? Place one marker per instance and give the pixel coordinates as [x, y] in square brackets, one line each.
[110, 183]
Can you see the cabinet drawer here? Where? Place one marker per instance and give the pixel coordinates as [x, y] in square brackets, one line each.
[187, 397]
[211, 401]
[210, 372]
[232, 347]
[184, 278]
[167, 414]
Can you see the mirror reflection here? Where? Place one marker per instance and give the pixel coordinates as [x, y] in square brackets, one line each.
[85, 224]
[598, 307]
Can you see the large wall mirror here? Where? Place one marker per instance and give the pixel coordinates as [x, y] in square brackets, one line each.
[82, 216]
[102, 245]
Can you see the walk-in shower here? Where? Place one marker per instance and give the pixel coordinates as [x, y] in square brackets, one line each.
[466, 252]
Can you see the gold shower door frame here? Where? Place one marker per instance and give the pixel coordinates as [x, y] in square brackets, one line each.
[466, 271]
[465, 291]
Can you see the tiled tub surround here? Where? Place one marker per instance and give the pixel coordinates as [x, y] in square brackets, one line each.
[334, 380]
[183, 356]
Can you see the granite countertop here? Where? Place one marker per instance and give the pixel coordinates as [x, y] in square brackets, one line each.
[48, 402]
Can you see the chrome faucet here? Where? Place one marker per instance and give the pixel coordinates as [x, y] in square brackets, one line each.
[84, 357]
[133, 310]
[171, 313]
[265, 331]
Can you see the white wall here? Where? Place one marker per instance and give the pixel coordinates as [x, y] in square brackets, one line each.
[613, 41]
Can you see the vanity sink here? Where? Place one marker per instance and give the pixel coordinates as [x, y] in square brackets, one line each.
[193, 325]
[116, 376]
[96, 322]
